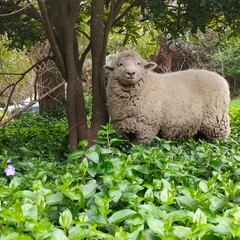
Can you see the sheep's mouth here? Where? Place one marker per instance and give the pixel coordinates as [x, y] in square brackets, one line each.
[129, 81]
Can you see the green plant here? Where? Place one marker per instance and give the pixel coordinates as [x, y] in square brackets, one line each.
[116, 190]
[35, 135]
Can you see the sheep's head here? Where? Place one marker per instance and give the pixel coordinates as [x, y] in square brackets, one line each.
[129, 67]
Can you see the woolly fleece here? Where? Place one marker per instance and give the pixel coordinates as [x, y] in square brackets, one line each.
[185, 104]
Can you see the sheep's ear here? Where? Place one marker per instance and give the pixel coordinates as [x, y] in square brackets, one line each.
[108, 68]
[150, 65]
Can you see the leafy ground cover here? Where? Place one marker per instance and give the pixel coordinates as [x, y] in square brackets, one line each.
[115, 190]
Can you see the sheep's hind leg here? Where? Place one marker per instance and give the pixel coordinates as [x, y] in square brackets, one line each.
[219, 129]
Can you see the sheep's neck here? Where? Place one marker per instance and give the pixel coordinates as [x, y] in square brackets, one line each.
[130, 91]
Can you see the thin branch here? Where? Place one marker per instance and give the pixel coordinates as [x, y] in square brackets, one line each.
[85, 34]
[83, 57]
[22, 74]
[115, 8]
[8, 102]
[113, 19]
[51, 38]
[13, 85]
[29, 10]
[17, 11]
[29, 105]
[134, 4]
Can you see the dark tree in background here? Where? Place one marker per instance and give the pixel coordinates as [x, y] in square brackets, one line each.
[48, 78]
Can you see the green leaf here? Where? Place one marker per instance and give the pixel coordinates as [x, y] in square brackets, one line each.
[182, 232]
[187, 201]
[30, 212]
[76, 233]
[100, 220]
[58, 234]
[83, 143]
[199, 217]
[9, 233]
[24, 194]
[115, 193]
[65, 218]
[203, 186]
[106, 151]
[216, 203]
[152, 210]
[136, 235]
[24, 150]
[16, 181]
[67, 178]
[165, 194]
[93, 156]
[55, 199]
[155, 225]
[180, 215]
[76, 155]
[167, 147]
[121, 215]
[135, 220]
[92, 169]
[222, 229]
[149, 196]
[89, 189]
[75, 195]
[5, 192]
[141, 169]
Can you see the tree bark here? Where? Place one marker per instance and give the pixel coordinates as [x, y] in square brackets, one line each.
[48, 77]
[99, 112]
[54, 102]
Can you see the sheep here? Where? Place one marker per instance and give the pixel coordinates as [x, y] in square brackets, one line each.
[186, 104]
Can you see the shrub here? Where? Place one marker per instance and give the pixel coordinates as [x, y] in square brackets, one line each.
[45, 136]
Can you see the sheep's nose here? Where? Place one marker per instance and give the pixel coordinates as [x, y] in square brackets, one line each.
[131, 73]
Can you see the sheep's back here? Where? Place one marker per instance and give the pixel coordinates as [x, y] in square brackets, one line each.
[181, 98]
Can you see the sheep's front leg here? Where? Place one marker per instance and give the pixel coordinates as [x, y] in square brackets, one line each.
[146, 135]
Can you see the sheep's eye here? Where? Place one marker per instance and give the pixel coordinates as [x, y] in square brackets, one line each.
[120, 64]
[138, 63]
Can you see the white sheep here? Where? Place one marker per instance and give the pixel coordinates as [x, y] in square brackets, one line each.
[185, 104]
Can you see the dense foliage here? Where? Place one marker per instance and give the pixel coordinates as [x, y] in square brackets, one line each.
[193, 15]
[21, 30]
[34, 135]
[115, 190]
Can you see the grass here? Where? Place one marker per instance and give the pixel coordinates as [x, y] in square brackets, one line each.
[235, 103]
[116, 190]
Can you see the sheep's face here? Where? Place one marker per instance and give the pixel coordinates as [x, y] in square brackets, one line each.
[129, 70]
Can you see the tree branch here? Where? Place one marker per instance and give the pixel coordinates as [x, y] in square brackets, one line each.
[13, 85]
[134, 4]
[20, 9]
[51, 38]
[115, 8]
[29, 9]
[83, 57]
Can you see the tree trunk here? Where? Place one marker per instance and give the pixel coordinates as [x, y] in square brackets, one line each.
[55, 101]
[48, 78]
[59, 23]
[76, 111]
[99, 112]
